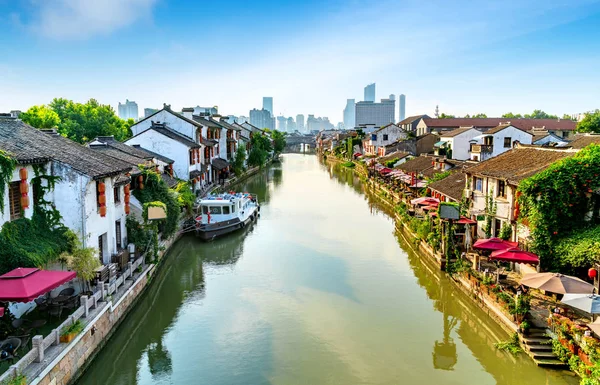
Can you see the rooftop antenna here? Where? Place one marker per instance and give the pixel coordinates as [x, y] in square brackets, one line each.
[437, 111]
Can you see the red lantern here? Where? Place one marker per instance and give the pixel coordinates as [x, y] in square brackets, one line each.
[126, 189]
[24, 188]
[23, 173]
[102, 211]
[127, 209]
[101, 187]
[592, 273]
[24, 201]
[102, 199]
[126, 198]
[141, 186]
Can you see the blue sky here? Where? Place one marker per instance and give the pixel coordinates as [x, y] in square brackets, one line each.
[467, 56]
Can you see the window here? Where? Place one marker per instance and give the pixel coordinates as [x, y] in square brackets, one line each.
[215, 210]
[385, 137]
[117, 194]
[502, 189]
[118, 234]
[225, 209]
[497, 227]
[565, 134]
[204, 210]
[478, 183]
[14, 198]
[507, 142]
[373, 136]
[192, 157]
[232, 209]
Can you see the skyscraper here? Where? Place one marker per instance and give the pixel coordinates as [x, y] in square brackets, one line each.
[350, 114]
[149, 111]
[291, 125]
[262, 119]
[378, 114]
[128, 110]
[268, 104]
[402, 107]
[392, 97]
[282, 123]
[300, 122]
[370, 93]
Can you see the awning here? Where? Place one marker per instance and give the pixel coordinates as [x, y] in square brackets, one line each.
[425, 201]
[220, 163]
[515, 255]
[494, 244]
[466, 221]
[385, 170]
[441, 143]
[195, 174]
[26, 284]
[357, 154]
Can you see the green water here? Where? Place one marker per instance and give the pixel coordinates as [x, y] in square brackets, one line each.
[319, 291]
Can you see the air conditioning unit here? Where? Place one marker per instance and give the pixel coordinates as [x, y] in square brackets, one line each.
[468, 192]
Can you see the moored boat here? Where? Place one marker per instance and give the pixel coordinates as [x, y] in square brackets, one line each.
[224, 213]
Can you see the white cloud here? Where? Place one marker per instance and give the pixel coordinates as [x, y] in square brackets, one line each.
[81, 19]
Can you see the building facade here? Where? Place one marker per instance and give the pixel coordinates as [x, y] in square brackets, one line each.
[300, 122]
[350, 114]
[128, 110]
[402, 109]
[370, 93]
[378, 114]
[268, 104]
[262, 119]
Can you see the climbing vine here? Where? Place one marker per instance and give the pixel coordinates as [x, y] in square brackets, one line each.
[41, 206]
[7, 166]
[490, 213]
[560, 200]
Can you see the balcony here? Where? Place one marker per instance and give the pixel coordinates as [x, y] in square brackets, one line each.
[481, 148]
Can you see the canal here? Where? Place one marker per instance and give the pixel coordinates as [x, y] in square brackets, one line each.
[319, 291]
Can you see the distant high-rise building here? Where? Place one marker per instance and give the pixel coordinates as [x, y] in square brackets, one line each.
[282, 123]
[128, 110]
[370, 93]
[206, 110]
[402, 102]
[149, 111]
[392, 97]
[300, 122]
[291, 125]
[262, 119]
[242, 119]
[318, 124]
[378, 114]
[268, 104]
[350, 114]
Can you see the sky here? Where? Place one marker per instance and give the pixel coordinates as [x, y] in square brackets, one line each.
[467, 56]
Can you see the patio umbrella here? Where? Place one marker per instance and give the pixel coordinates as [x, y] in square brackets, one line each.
[589, 303]
[26, 284]
[493, 244]
[424, 201]
[515, 255]
[595, 326]
[466, 221]
[430, 207]
[557, 283]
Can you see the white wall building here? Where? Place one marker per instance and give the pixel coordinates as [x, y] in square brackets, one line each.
[456, 144]
[497, 141]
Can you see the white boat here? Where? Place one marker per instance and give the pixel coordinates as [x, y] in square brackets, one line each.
[224, 213]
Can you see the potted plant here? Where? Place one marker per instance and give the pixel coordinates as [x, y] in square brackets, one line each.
[524, 327]
[18, 379]
[69, 333]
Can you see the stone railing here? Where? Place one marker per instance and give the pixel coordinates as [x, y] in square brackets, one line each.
[40, 343]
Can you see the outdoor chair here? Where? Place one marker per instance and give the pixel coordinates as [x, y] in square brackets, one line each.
[55, 310]
[25, 339]
[72, 303]
[9, 349]
[20, 325]
[66, 292]
[41, 304]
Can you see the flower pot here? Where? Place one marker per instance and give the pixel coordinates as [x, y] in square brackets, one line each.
[67, 338]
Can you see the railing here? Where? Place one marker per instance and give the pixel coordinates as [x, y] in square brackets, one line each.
[478, 148]
[41, 344]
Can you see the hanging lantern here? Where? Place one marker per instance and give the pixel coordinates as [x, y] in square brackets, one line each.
[141, 185]
[101, 187]
[24, 187]
[592, 273]
[127, 209]
[102, 211]
[24, 201]
[102, 199]
[23, 173]
[141, 179]
[126, 189]
[127, 198]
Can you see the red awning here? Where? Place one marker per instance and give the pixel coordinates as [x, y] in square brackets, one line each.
[357, 154]
[26, 284]
[494, 244]
[515, 255]
[466, 221]
[430, 207]
[425, 201]
[385, 170]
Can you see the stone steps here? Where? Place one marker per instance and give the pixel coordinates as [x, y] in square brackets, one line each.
[550, 363]
[539, 347]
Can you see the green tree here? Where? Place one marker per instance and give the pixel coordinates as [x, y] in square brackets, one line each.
[446, 116]
[590, 123]
[40, 117]
[510, 115]
[539, 114]
[480, 115]
[279, 141]
[237, 164]
[261, 147]
[567, 117]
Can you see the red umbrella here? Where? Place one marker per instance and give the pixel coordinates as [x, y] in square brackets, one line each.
[515, 255]
[428, 201]
[26, 284]
[494, 244]
[466, 221]
[430, 207]
[385, 170]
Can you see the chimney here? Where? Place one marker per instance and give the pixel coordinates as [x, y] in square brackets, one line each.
[188, 112]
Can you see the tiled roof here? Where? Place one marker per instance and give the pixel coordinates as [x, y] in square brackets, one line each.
[168, 109]
[519, 163]
[583, 140]
[28, 145]
[163, 129]
[219, 163]
[502, 127]
[452, 186]
[105, 149]
[524, 124]
[228, 126]
[394, 155]
[160, 157]
[382, 127]
[206, 122]
[411, 119]
[453, 133]
[112, 142]
[420, 165]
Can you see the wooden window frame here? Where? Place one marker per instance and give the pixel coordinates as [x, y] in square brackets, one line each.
[14, 200]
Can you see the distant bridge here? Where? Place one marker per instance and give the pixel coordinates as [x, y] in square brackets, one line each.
[300, 143]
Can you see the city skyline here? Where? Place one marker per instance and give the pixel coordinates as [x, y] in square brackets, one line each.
[123, 48]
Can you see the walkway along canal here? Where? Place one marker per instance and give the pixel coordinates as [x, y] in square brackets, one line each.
[319, 291]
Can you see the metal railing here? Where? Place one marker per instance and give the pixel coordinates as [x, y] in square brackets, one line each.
[478, 148]
[40, 343]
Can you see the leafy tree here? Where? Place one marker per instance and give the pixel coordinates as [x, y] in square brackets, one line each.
[237, 164]
[279, 142]
[590, 123]
[539, 114]
[510, 115]
[259, 152]
[84, 261]
[567, 117]
[40, 117]
[446, 116]
[480, 115]
[77, 121]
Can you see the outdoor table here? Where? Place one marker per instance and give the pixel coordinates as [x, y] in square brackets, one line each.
[60, 299]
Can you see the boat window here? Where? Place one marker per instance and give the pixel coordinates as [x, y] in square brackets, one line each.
[215, 210]
[204, 209]
[232, 208]
[240, 204]
[225, 209]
